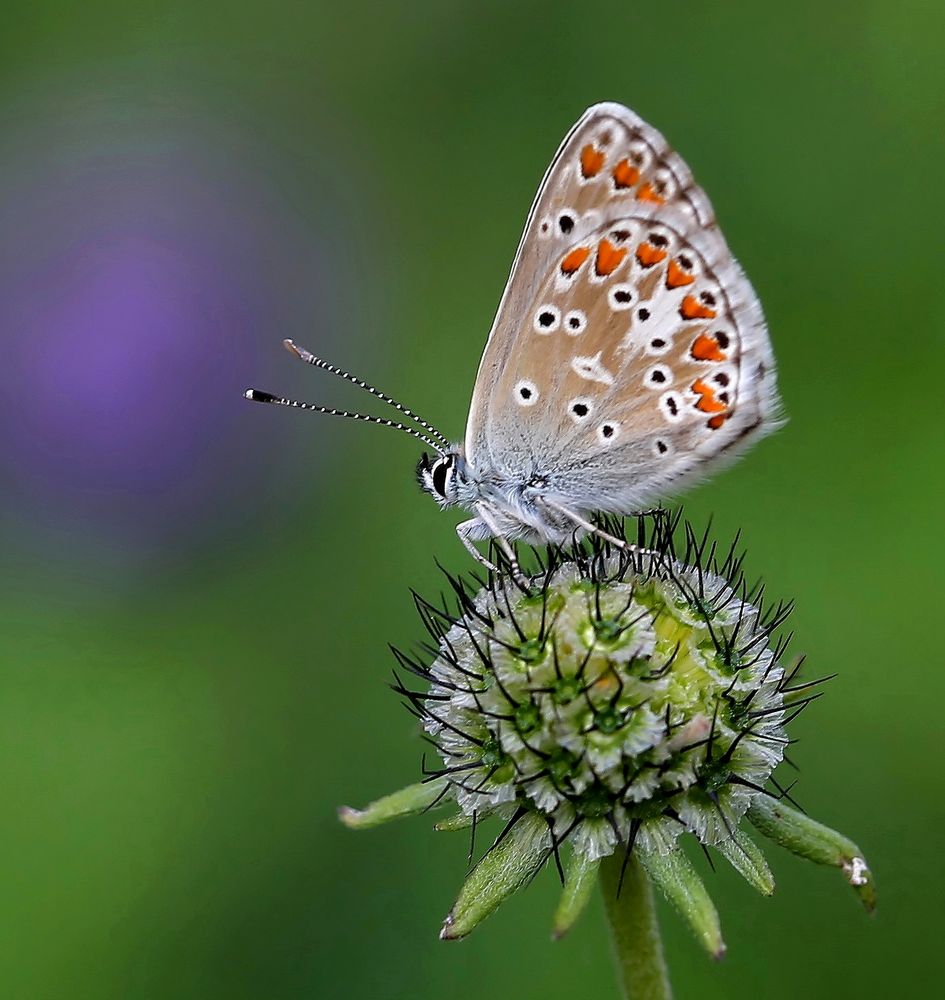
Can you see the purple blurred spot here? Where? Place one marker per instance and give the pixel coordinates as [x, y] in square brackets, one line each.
[122, 355]
[147, 274]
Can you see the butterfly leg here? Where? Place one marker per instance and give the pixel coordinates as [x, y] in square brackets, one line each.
[593, 529]
[465, 531]
[486, 518]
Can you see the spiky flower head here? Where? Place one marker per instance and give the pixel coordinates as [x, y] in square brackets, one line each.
[616, 700]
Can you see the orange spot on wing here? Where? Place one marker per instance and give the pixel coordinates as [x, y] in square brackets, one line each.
[708, 402]
[592, 159]
[716, 422]
[705, 348]
[648, 255]
[575, 259]
[692, 308]
[625, 174]
[676, 276]
[647, 193]
[609, 257]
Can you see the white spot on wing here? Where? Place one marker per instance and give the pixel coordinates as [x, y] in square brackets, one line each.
[565, 221]
[592, 369]
[658, 377]
[547, 319]
[608, 432]
[672, 406]
[580, 409]
[664, 184]
[575, 322]
[525, 392]
[639, 154]
[620, 297]
[658, 345]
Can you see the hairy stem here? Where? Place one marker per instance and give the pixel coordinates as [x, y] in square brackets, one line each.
[634, 931]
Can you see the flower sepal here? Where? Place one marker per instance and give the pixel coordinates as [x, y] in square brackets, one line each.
[679, 882]
[809, 839]
[744, 855]
[513, 860]
[580, 877]
[407, 801]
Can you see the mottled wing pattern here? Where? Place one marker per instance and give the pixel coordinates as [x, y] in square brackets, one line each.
[629, 350]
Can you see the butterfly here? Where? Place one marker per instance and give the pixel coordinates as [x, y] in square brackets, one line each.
[629, 355]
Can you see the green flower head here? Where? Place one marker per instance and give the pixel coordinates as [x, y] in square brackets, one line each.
[617, 700]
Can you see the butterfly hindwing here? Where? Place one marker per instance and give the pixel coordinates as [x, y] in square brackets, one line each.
[629, 349]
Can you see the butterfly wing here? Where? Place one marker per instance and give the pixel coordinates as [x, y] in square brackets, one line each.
[629, 351]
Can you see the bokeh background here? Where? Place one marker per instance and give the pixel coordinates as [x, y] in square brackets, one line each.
[197, 593]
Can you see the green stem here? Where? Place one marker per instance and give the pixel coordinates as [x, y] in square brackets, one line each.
[634, 930]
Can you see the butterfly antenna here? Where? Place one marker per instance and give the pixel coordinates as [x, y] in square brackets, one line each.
[310, 359]
[258, 396]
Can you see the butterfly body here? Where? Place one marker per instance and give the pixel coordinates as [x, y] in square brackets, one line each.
[515, 501]
[628, 356]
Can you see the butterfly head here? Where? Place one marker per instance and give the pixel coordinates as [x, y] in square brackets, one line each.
[442, 476]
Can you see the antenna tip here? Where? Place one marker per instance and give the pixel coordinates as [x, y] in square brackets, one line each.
[257, 396]
[299, 352]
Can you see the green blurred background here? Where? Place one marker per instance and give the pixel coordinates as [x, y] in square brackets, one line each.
[197, 593]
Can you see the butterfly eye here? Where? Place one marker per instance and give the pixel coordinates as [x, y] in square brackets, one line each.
[525, 392]
[441, 472]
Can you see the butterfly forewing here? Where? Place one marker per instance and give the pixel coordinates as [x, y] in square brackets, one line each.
[629, 348]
